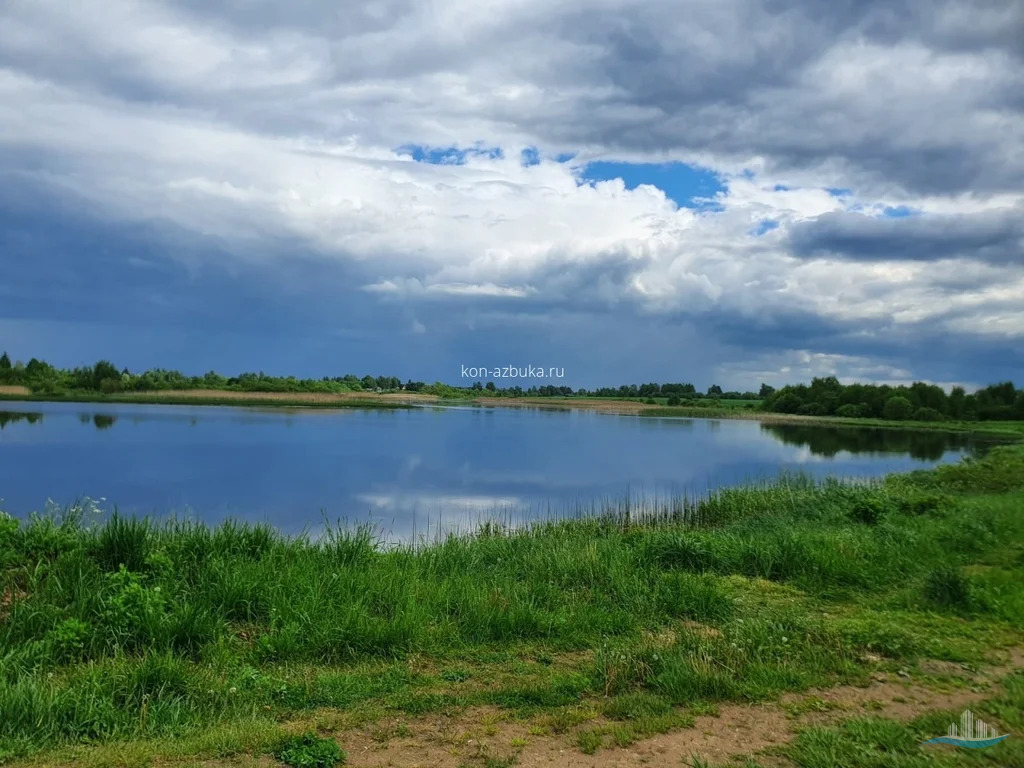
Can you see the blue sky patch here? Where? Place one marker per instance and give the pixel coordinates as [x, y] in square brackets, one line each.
[764, 226]
[446, 155]
[684, 184]
[529, 156]
[899, 212]
[839, 191]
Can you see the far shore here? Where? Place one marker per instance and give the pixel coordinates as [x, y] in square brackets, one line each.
[1013, 430]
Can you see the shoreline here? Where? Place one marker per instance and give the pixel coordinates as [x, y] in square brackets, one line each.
[1008, 430]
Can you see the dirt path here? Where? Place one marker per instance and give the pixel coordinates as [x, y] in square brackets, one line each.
[488, 737]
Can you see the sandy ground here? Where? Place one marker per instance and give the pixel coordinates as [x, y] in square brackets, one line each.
[13, 389]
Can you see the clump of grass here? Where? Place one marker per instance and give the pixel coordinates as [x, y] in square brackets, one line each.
[869, 511]
[589, 740]
[311, 751]
[948, 587]
[123, 543]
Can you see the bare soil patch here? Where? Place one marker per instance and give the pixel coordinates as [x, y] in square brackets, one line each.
[472, 736]
[14, 389]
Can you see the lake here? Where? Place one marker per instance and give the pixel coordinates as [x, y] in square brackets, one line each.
[410, 471]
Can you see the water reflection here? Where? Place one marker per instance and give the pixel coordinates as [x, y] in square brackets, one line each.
[8, 417]
[830, 441]
[99, 420]
[413, 470]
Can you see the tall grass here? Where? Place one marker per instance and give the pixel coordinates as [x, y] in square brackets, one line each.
[133, 627]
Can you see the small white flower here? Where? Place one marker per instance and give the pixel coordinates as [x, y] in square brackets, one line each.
[232, 689]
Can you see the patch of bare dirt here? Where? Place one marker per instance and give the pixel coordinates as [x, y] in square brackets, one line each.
[14, 389]
[470, 737]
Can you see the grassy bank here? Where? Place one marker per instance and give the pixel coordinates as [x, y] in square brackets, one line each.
[1012, 430]
[131, 642]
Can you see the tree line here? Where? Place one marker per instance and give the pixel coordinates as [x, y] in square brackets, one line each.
[917, 402]
[104, 377]
[822, 397]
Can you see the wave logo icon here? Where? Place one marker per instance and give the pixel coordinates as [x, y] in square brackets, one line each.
[971, 733]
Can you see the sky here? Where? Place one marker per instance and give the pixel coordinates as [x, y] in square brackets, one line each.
[732, 192]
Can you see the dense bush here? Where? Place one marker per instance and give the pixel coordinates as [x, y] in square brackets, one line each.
[897, 408]
[928, 414]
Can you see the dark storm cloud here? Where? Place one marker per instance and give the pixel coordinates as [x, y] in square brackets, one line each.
[996, 237]
[189, 127]
[914, 95]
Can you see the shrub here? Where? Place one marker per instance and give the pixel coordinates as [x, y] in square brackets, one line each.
[928, 414]
[897, 408]
[673, 400]
[788, 403]
[311, 751]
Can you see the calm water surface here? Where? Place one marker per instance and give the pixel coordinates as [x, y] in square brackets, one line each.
[409, 471]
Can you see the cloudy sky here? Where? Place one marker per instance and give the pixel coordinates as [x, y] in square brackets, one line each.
[729, 191]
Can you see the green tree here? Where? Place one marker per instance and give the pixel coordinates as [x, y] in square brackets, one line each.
[957, 402]
[714, 389]
[766, 391]
[102, 371]
[897, 408]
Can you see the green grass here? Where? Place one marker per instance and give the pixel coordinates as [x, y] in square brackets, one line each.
[157, 636]
[874, 742]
